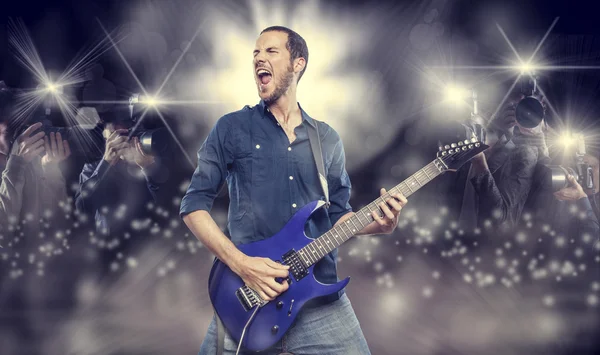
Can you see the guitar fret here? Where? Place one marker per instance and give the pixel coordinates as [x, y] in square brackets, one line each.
[335, 237]
[366, 216]
[411, 191]
[322, 247]
[417, 180]
[307, 251]
[342, 229]
[356, 229]
[328, 243]
[302, 256]
[425, 171]
[314, 251]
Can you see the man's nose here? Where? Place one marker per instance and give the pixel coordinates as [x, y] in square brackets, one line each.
[259, 58]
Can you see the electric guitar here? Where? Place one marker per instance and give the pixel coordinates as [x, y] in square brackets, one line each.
[256, 324]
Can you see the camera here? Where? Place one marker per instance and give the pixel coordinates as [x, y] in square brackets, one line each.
[581, 170]
[529, 111]
[153, 141]
[85, 141]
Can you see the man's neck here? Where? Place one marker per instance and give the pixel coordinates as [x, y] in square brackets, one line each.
[285, 108]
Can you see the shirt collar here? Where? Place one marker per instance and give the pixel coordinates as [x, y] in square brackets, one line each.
[263, 109]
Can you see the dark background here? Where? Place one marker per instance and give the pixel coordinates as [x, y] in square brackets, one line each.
[409, 298]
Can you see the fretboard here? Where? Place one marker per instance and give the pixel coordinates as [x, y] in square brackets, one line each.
[317, 249]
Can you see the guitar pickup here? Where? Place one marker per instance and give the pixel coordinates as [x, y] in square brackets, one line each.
[297, 268]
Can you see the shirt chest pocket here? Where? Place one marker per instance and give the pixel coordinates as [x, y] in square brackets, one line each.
[263, 160]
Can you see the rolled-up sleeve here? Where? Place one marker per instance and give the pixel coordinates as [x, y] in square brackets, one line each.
[339, 183]
[214, 158]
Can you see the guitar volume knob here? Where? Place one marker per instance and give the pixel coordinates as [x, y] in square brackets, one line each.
[275, 329]
[279, 305]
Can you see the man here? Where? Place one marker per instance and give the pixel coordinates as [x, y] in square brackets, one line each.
[31, 188]
[117, 188]
[264, 154]
[31, 183]
[494, 185]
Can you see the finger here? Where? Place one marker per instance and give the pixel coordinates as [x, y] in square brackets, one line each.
[403, 200]
[38, 150]
[386, 211]
[394, 204]
[34, 138]
[67, 149]
[571, 179]
[382, 191]
[279, 287]
[34, 127]
[377, 218]
[278, 273]
[53, 147]
[35, 145]
[138, 146]
[263, 295]
[275, 265]
[119, 146]
[46, 144]
[117, 139]
[271, 294]
[59, 145]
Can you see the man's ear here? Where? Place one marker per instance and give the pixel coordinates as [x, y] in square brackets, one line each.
[299, 64]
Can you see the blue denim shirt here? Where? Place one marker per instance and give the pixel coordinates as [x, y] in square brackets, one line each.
[268, 178]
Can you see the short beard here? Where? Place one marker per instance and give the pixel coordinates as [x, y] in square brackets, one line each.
[283, 86]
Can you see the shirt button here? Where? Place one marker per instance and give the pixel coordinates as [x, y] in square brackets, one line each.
[293, 205]
[289, 149]
[258, 146]
[291, 177]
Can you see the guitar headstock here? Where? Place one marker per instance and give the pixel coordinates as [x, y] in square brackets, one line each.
[451, 157]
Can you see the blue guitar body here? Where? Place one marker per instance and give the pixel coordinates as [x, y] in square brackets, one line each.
[273, 319]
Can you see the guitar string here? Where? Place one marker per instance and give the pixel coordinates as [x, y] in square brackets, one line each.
[317, 255]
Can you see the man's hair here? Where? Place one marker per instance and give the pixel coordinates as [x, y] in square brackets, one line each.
[296, 45]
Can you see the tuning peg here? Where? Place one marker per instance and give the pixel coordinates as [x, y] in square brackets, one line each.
[477, 145]
[446, 147]
[470, 146]
[473, 140]
[451, 151]
[453, 145]
[464, 148]
[460, 143]
[466, 141]
[440, 148]
[444, 154]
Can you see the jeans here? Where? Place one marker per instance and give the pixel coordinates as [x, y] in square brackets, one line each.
[330, 329]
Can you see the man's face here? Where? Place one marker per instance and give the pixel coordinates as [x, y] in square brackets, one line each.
[273, 71]
[4, 139]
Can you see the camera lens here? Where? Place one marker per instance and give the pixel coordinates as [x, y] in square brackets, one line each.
[559, 177]
[529, 112]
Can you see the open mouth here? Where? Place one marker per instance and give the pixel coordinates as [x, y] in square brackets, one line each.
[264, 76]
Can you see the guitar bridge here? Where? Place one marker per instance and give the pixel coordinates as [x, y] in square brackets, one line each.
[297, 267]
[249, 298]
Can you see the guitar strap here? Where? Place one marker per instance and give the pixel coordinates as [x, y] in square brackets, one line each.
[315, 147]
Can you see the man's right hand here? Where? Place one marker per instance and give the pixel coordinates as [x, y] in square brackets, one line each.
[28, 146]
[116, 145]
[260, 273]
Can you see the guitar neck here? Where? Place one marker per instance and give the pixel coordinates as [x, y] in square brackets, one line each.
[317, 249]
